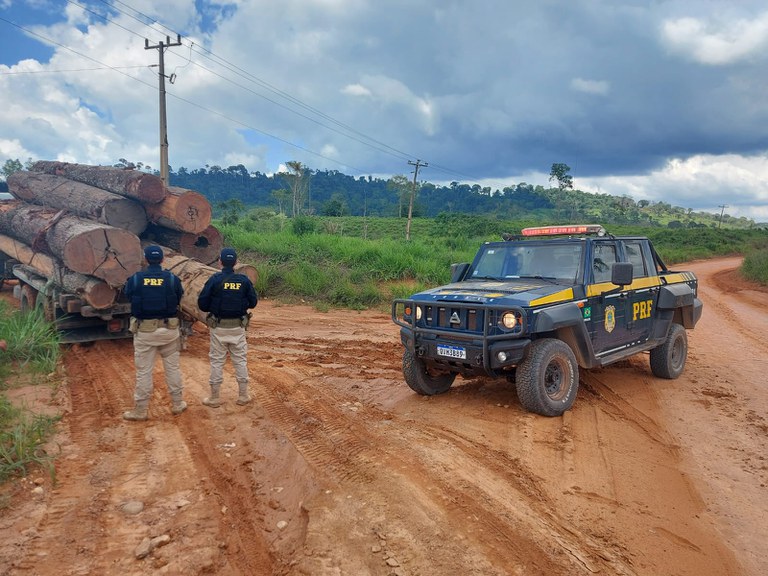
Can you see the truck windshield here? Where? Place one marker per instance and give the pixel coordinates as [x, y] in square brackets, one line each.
[528, 260]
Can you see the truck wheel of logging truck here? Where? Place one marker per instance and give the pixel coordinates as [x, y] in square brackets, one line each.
[73, 318]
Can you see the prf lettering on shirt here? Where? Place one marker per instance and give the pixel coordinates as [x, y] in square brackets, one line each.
[232, 285]
[642, 309]
[153, 281]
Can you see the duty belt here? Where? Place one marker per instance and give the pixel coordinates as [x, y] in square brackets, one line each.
[229, 322]
[152, 324]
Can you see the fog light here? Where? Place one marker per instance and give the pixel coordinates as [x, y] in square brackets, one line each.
[502, 356]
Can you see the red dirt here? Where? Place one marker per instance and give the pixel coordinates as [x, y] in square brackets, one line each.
[339, 468]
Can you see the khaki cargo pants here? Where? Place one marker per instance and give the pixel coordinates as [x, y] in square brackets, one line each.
[230, 340]
[146, 347]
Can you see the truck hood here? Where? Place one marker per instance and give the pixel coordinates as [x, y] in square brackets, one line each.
[520, 292]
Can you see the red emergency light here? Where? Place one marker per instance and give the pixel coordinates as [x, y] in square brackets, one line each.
[564, 230]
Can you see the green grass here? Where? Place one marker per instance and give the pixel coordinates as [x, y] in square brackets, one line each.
[22, 436]
[33, 349]
[755, 265]
[31, 339]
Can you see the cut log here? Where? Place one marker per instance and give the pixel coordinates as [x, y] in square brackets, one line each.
[80, 199]
[183, 210]
[193, 276]
[95, 292]
[84, 246]
[204, 246]
[146, 188]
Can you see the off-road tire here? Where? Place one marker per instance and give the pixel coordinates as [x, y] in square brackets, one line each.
[547, 380]
[420, 380]
[668, 359]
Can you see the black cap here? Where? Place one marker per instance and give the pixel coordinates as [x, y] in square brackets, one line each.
[153, 254]
[228, 256]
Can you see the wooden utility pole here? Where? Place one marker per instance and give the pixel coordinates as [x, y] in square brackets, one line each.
[163, 122]
[417, 164]
[722, 210]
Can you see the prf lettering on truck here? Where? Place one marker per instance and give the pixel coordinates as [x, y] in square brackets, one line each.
[232, 285]
[642, 310]
[153, 281]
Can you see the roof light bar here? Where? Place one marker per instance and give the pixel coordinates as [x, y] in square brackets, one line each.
[564, 230]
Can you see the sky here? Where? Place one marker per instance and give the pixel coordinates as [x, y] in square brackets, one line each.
[658, 100]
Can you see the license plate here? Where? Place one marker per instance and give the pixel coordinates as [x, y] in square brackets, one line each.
[452, 352]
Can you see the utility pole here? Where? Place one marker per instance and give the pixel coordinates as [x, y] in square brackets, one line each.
[722, 209]
[417, 164]
[163, 122]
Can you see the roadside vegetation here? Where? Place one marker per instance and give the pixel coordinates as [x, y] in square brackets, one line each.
[32, 354]
[359, 262]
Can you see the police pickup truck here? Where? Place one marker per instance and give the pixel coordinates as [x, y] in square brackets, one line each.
[537, 306]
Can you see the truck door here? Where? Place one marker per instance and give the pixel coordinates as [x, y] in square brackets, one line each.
[644, 296]
[610, 312]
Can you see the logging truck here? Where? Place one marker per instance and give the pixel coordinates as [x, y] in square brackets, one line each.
[73, 317]
[72, 234]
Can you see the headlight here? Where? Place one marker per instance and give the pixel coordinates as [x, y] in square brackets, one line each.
[508, 320]
[418, 312]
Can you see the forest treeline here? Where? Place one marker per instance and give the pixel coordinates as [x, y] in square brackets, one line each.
[303, 191]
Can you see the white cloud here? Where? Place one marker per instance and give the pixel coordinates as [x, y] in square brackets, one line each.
[600, 87]
[717, 42]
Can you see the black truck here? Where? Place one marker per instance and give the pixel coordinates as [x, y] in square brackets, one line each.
[535, 307]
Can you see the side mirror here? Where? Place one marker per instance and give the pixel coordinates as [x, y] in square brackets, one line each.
[621, 274]
[458, 271]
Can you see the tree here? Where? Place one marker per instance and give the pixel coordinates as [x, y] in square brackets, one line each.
[336, 206]
[10, 167]
[232, 209]
[298, 183]
[282, 196]
[401, 186]
[559, 172]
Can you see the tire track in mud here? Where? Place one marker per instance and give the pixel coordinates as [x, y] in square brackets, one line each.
[83, 516]
[333, 439]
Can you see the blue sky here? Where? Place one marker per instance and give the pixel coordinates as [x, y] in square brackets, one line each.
[663, 101]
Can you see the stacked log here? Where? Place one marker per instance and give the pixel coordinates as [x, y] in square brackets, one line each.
[181, 210]
[84, 246]
[204, 246]
[83, 227]
[95, 292]
[80, 199]
[146, 188]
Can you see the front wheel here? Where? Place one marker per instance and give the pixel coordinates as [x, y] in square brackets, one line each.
[547, 381]
[420, 380]
[668, 359]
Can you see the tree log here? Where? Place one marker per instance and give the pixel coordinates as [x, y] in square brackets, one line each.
[146, 188]
[84, 246]
[95, 292]
[80, 199]
[204, 246]
[183, 210]
[193, 276]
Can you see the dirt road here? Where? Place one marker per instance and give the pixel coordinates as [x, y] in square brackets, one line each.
[337, 468]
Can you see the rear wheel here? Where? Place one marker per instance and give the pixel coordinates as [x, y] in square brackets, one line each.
[421, 380]
[547, 381]
[668, 359]
[28, 298]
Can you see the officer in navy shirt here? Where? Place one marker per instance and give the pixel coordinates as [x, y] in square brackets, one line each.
[155, 295]
[227, 296]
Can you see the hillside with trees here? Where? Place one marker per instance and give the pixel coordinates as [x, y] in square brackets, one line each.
[303, 191]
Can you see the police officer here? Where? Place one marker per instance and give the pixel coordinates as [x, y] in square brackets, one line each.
[155, 295]
[226, 297]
